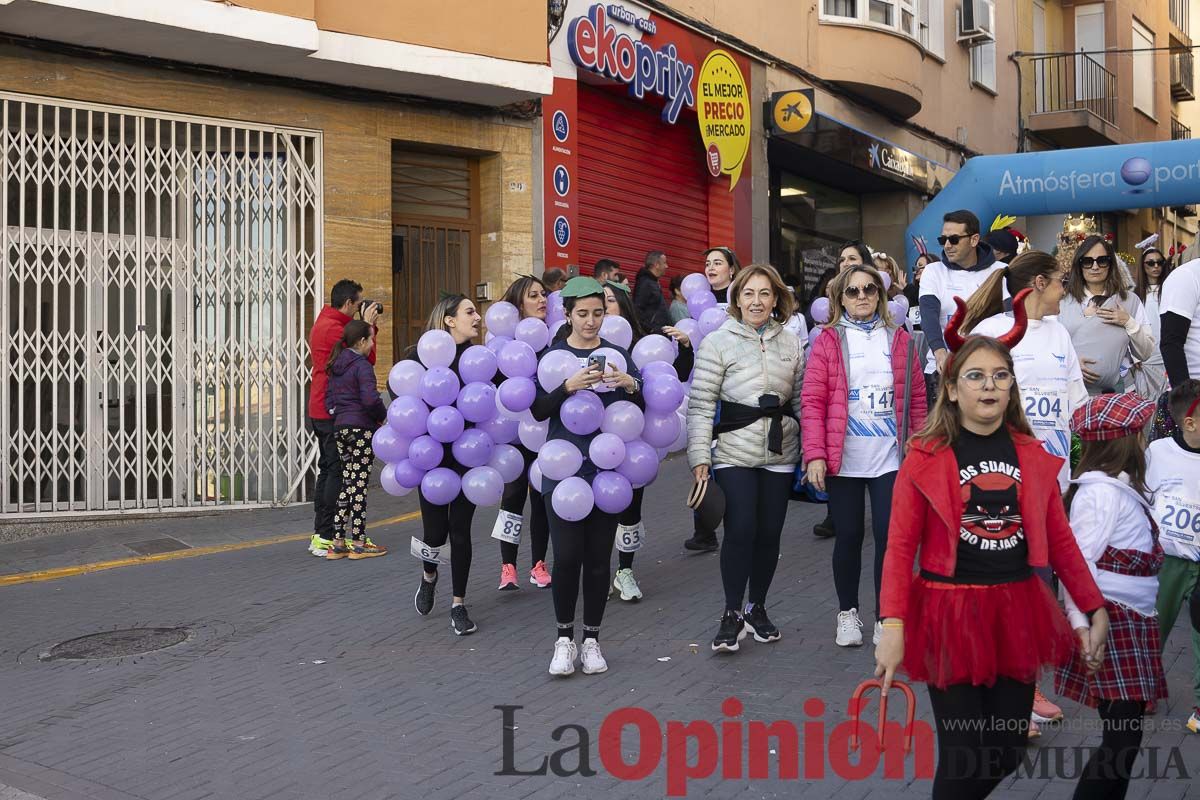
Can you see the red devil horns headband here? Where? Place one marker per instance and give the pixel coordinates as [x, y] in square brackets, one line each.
[955, 340]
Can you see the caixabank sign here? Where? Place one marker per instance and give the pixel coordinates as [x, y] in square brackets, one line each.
[656, 60]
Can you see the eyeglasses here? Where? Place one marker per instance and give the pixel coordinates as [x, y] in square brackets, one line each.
[953, 239]
[977, 378]
[1103, 262]
[853, 292]
[1154, 262]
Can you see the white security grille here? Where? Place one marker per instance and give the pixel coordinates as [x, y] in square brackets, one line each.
[160, 276]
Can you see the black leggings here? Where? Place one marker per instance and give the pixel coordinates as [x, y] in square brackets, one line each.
[581, 554]
[846, 508]
[514, 503]
[982, 733]
[630, 516]
[756, 504]
[1106, 776]
[329, 479]
[451, 522]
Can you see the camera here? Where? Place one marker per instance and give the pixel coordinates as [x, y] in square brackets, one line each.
[366, 305]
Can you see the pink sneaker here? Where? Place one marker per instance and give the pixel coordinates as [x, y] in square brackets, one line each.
[538, 576]
[1043, 710]
[508, 578]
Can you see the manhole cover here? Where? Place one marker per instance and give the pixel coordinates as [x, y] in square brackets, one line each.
[115, 644]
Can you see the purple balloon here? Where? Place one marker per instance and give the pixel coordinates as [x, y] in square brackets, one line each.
[696, 282]
[663, 393]
[473, 449]
[607, 451]
[446, 424]
[813, 334]
[612, 357]
[408, 416]
[387, 479]
[887, 280]
[700, 302]
[712, 319]
[617, 330]
[640, 466]
[559, 459]
[680, 442]
[554, 301]
[408, 475]
[477, 402]
[496, 343]
[690, 327]
[656, 368]
[555, 325]
[501, 318]
[654, 347]
[517, 360]
[502, 428]
[477, 364]
[624, 419]
[508, 461]
[901, 301]
[820, 310]
[555, 367]
[661, 429]
[533, 434]
[389, 445]
[533, 332]
[612, 492]
[439, 386]
[405, 378]
[425, 453]
[436, 349]
[516, 394]
[483, 486]
[572, 499]
[582, 413]
[535, 476]
[440, 486]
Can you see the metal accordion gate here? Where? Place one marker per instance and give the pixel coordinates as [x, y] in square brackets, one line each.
[160, 274]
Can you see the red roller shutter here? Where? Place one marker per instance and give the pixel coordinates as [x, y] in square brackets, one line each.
[643, 186]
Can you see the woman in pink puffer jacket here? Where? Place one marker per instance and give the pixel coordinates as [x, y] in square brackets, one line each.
[853, 417]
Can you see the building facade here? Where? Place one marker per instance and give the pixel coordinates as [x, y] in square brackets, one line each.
[185, 181]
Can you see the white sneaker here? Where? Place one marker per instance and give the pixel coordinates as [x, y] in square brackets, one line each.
[849, 629]
[563, 662]
[878, 633]
[627, 585]
[591, 658]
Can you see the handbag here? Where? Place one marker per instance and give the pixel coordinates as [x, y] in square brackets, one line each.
[707, 501]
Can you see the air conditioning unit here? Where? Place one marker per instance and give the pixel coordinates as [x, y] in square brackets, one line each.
[975, 24]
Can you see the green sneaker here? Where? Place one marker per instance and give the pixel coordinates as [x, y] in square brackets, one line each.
[319, 546]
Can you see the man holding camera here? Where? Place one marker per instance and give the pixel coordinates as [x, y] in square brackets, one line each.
[345, 303]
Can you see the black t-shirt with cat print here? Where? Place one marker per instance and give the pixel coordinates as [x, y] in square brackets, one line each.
[991, 541]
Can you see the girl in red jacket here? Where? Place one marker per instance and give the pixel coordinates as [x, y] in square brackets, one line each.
[977, 499]
[858, 406]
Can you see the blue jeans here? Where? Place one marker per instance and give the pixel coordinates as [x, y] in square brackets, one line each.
[847, 506]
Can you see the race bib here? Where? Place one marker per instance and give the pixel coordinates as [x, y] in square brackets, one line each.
[876, 401]
[434, 555]
[1043, 410]
[629, 537]
[508, 527]
[1178, 517]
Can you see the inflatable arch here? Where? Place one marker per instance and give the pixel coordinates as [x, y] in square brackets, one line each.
[1142, 175]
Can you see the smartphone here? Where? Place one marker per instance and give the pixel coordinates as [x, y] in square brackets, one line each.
[597, 362]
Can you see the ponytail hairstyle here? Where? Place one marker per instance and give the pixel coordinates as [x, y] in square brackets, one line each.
[988, 299]
[355, 331]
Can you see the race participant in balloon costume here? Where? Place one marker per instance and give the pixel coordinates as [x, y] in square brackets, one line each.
[447, 435]
[977, 499]
[663, 394]
[590, 400]
[522, 314]
[753, 367]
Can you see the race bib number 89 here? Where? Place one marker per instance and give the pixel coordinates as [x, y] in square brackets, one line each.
[508, 527]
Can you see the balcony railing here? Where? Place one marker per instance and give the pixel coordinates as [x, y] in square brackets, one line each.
[1179, 130]
[1180, 15]
[1074, 82]
[1183, 76]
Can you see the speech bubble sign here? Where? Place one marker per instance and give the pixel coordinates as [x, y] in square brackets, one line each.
[723, 112]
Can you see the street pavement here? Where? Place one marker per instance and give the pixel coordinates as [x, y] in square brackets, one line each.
[304, 679]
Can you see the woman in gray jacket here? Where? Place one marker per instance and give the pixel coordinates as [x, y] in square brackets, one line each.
[754, 367]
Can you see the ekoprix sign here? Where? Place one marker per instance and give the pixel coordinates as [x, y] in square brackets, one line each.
[1143, 175]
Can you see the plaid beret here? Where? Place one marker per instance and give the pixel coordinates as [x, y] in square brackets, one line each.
[1111, 416]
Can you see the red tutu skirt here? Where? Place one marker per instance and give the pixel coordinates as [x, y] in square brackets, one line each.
[972, 634]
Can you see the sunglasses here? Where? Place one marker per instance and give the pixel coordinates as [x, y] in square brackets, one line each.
[853, 292]
[1103, 262]
[953, 239]
[1154, 262]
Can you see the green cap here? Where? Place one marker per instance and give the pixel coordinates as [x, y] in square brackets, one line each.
[624, 287]
[582, 287]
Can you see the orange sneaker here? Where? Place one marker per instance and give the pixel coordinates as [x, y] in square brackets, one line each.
[337, 550]
[539, 576]
[1043, 709]
[508, 578]
[366, 549]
